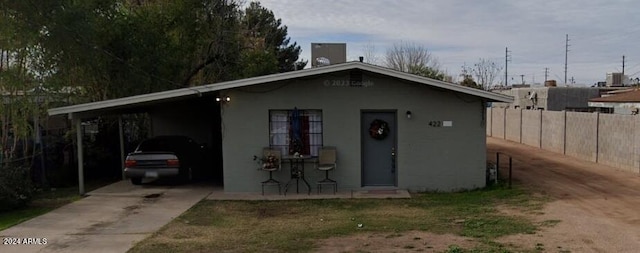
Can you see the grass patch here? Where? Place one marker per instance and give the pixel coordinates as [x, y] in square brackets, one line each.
[43, 202]
[293, 226]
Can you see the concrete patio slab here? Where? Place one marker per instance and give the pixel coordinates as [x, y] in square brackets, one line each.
[359, 194]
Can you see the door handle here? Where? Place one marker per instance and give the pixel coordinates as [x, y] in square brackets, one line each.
[393, 160]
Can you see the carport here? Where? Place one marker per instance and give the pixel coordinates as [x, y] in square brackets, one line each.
[168, 115]
[193, 112]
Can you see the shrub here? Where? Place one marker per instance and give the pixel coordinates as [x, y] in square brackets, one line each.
[16, 188]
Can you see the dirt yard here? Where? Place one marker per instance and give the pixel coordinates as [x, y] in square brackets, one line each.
[595, 204]
[592, 206]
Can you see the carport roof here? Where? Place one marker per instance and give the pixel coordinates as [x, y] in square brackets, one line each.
[114, 105]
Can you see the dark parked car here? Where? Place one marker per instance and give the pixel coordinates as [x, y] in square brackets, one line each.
[165, 156]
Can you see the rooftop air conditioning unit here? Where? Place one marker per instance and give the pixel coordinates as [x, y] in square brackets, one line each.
[323, 54]
[322, 61]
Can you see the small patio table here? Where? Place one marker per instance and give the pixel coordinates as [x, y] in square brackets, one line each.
[297, 171]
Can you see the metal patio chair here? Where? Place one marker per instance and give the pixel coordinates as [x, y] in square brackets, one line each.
[271, 161]
[327, 157]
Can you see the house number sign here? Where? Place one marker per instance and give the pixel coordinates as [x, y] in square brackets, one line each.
[440, 123]
[435, 123]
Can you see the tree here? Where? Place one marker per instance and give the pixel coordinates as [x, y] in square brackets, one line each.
[266, 42]
[427, 72]
[369, 54]
[469, 82]
[20, 107]
[467, 78]
[486, 72]
[19, 86]
[115, 48]
[413, 59]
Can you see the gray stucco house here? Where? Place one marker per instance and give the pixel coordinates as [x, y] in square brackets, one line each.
[436, 138]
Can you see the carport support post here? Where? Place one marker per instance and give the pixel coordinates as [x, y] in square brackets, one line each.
[80, 155]
[121, 132]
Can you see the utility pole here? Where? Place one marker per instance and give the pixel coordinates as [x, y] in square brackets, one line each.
[533, 78]
[546, 74]
[622, 66]
[566, 56]
[506, 63]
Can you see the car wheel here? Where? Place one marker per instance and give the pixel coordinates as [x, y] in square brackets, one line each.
[136, 181]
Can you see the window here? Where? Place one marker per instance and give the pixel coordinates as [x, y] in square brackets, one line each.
[308, 138]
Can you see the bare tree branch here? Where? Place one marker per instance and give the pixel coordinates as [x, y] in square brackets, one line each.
[415, 59]
[369, 54]
[486, 72]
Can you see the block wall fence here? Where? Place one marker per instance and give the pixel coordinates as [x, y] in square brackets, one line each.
[609, 139]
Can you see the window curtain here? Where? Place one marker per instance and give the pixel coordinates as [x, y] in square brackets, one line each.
[280, 131]
[305, 135]
[282, 134]
[314, 131]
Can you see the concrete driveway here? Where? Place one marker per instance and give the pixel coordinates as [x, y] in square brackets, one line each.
[111, 219]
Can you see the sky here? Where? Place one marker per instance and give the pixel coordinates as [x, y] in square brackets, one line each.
[459, 32]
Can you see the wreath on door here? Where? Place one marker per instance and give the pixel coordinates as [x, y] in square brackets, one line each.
[379, 129]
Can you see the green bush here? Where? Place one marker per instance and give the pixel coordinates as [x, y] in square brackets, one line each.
[16, 188]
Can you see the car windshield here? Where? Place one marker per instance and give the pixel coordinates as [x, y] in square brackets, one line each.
[161, 144]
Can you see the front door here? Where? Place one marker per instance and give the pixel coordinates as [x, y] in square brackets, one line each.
[378, 135]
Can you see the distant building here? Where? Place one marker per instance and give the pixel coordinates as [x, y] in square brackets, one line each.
[552, 98]
[618, 102]
[617, 80]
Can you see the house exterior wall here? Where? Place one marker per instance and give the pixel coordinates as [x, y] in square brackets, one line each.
[489, 114]
[428, 158]
[623, 110]
[561, 98]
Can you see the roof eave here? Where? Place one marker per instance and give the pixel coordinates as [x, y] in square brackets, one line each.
[492, 96]
[120, 102]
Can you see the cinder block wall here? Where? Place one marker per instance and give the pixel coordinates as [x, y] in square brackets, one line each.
[553, 131]
[513, 126]
[582, 129]
[616, 137]
[531, 127]
[610, 139]
[497, 122]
